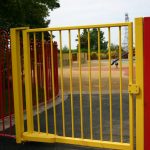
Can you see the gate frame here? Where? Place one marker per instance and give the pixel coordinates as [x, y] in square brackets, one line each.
[17, 82]
[43, 137]
[140, 83]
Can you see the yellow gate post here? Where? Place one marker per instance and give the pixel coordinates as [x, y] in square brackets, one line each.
[140, 83]
[131, 100]
[28, 84]
[17, 82]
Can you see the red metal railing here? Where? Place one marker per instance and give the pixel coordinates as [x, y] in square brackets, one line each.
[48, 69]
[6, 91]
[6, 87]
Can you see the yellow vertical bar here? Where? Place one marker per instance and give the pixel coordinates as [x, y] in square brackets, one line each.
[120, 64]
[140, 83]
[28, 83]
[110, 83]
[36, 83]
[90, 84]
[17, 83]
[62, 84]
[44, 76]
[71, 87]
[100, 86]
[131, 104]
[53, 83]
[80, 83]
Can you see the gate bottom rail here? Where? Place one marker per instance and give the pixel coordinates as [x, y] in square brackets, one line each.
[51, 138]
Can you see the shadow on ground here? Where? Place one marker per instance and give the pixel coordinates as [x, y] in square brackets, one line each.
[10, 144]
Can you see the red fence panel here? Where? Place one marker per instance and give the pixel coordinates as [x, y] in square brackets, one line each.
[6, 90]
[146, 83]
[6, 87]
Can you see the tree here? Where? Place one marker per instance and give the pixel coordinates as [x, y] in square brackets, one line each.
[114, 47]
[65, 48]
[32, 13]
[93, 40]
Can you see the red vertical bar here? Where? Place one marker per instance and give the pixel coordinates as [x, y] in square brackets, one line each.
[1, 96]
[48, 81]
[41, 71]
[38, 65]
[0, 77]
[146, 83]
[22, 76]
[42, 81]
[34, 84]
[56, 68]
[11, 91]
[54, 59]
[32, 71]
[3, 90]
[1, 99]
[50, 71]
[3, 76]
[46, 70]
[8, 85]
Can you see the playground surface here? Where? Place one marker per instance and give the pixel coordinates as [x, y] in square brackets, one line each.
[10, 143]
[115, 77]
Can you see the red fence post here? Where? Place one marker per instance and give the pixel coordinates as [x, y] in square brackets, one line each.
[56, 68]
[46, 70]
[147, 83]
[50, 71]
[1, 99]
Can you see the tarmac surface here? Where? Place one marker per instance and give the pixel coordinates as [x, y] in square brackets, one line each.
[6, 143]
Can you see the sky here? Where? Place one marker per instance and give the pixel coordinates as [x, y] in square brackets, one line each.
[86, 12]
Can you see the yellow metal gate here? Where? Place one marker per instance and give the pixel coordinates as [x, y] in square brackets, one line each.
[42, 122]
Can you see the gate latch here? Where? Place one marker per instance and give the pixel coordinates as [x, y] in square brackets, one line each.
[133, 89]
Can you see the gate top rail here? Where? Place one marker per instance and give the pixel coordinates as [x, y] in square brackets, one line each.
[80, 27]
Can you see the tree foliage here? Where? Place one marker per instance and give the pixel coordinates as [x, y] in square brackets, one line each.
[32, 13]
[114, 47]
[65, 48]
[93, 40]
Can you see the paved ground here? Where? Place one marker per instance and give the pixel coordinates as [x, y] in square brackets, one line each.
[10, 144]
[86, 118]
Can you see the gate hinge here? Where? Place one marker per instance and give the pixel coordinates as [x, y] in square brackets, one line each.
[133, 89]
